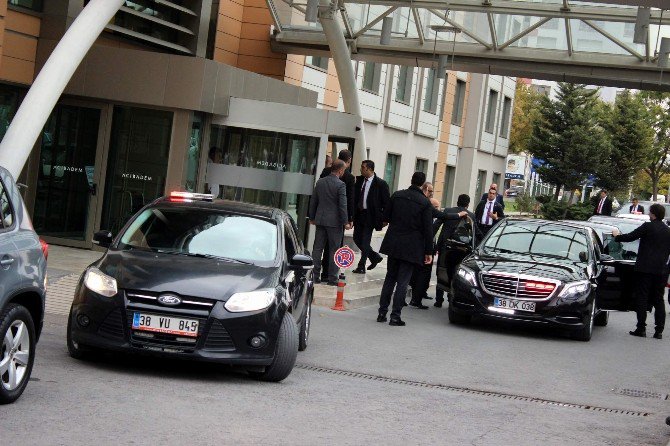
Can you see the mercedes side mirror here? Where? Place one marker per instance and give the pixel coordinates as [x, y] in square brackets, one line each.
[301, 261]
[103, 238]
[583, 256]
[606, 258]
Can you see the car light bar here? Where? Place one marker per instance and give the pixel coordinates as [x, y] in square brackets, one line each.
[540, 286]
[189, 197]
[501, 310]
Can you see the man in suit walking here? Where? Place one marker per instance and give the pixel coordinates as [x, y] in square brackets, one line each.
[408, 243]
[328, 211]
[604, 206]
[371, 197]
[636, 207]
[349, 181]
[488, 212]
[499, 197]
[651, 266]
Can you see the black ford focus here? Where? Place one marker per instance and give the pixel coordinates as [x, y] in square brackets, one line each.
[537, 271]
[201, 279]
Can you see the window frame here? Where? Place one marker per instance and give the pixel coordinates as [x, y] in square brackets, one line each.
[38, 6]
[309, 61]
[432, 83]
[419, 160]
[376, 77]
[407, 82]
[459, 103]
[506, 117]
[12, 210]
[491, 111]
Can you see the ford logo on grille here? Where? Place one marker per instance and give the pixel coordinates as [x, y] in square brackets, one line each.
[169, 299]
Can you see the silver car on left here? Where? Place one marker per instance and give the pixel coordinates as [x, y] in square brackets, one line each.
[23, 276]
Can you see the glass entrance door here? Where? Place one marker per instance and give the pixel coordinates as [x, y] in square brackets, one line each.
[66, 189]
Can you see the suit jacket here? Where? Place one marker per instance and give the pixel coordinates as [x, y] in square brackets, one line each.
[328, 205]
[409, 236]
[378, 200]
[479, 212]
[639, 209]
[499, 199]
[607, 207]
[349, 181]
[652, 257]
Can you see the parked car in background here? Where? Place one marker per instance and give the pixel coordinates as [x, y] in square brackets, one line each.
[514, 191]
[23, 279]
[625, 209]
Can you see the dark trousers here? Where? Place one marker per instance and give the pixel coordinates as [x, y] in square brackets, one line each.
[363, 227]
[451, 271]
[484, 228]
[649, 293]
[420, 282]
[398, 275]
[332, 236]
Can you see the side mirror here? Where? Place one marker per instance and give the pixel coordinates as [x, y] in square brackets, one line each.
[301, 261]
[103, 238]
[583, 256]
[606, 258]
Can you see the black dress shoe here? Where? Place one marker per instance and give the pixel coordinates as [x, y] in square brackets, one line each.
[331, 283]
[638, 333]
[381, 318]
[374, 263]
[359, 270]
[438, 304]
[397, 323]
[404, 304]
[420, 306]
[427, 297]
[658, 335]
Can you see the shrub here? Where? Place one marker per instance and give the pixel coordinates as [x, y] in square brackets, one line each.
[555, 210]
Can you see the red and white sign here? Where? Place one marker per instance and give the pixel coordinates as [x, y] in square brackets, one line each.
[344, 257]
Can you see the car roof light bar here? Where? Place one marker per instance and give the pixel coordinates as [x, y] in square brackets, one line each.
[190, 196]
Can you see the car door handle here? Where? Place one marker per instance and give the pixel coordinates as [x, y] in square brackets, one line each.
[6, 261]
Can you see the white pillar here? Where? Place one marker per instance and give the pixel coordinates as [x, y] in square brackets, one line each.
[51, 81]
[345, 74]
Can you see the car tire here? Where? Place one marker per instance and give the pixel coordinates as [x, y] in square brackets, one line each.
[602, 319]
[286, 352]
[16, 321]
[584, 334]
[75, 349]
[304, 327]
[457, 318]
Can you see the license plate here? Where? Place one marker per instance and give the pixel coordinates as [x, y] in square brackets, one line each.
[513, 304]
[165, 324]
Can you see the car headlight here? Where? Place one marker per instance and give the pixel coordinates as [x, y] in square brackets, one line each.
[573, 290]
[467, 274]
[251, 301]
[99, 282]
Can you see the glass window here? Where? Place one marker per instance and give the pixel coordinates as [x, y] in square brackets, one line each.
[481, 179]
[372, 77]
[193, 154]
[316, 61]
[35, 5]
[432, 91]
[496, 179]
[421, 165]
[403, 91]
[6, 213]
[203, 232]
[506, 117]
[491, 111]
[391, 171]
[448, 187]
[9, 103]
[459, 103]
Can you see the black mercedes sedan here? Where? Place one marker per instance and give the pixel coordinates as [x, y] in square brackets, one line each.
[194, 278]
[537, 271]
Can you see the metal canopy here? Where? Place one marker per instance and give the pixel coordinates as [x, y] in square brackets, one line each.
[585, 42]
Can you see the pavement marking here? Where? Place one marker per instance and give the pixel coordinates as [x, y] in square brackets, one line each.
[469, 391]
[60, 294]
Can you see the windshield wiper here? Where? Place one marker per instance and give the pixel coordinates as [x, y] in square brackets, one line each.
[501, 250]
[205, 256]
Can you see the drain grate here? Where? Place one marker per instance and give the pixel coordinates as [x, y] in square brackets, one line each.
[468, 391]
[641, 393]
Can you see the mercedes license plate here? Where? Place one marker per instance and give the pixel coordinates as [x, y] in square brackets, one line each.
[513, 304]
[165, 324]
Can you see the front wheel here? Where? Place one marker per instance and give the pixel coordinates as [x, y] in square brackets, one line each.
[75, 349]
[602, 319]
[17, 353]
[584, 334]
[457, 318]
[286, 352]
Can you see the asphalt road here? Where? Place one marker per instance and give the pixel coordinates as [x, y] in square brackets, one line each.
[426, 383]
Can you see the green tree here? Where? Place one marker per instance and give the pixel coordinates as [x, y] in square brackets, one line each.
[568, 137]
[526, 111]
[657, 162]
[630, 139]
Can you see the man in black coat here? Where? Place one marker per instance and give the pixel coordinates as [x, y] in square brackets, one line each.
[604, 205]
[636, 207]
[499, 197]
[488, 212]
[408, 243]
[651, 267]
[349, 181]
[371, 198]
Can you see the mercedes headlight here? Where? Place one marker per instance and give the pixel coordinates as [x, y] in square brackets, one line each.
[467, 274]
[99, 282]
[573, 290]
[251, 301]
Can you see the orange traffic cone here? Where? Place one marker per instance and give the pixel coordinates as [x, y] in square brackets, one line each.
[339, 301]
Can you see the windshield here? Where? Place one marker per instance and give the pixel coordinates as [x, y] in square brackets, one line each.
[547, 240]
[203, 232]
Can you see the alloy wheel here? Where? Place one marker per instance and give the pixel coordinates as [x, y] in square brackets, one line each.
[15, 355]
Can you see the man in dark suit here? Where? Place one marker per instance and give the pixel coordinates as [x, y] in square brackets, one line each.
[371, 197]
[651, 267]
[349, 181]
[499, 197]
[408, 243]
[604, 206]
[488, 212]
[636, 207]
[328, 211]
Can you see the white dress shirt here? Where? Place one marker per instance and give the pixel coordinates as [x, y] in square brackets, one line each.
[488, 208]
[366, 183]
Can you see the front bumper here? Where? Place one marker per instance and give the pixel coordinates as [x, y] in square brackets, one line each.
[556, 312]
[223, 337]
